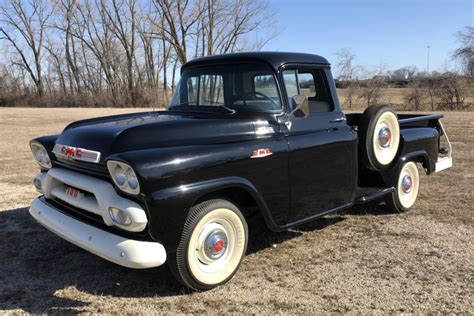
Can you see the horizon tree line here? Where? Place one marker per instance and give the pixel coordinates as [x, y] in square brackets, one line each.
[118, 52]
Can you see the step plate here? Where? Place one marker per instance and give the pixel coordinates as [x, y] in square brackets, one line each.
[443, 163]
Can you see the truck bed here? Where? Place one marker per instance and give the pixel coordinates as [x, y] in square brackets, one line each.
[405, 120]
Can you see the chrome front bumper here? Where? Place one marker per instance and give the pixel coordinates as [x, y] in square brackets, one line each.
[125, 252]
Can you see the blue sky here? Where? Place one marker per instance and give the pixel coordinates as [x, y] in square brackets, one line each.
[389, 32]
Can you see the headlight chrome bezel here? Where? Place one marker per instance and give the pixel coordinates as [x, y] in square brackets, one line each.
[41, 155]
[124, 177]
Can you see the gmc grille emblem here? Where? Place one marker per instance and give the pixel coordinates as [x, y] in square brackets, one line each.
[81, 154]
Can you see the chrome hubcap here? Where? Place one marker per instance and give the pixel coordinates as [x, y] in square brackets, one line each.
[384, 137]
[407, 184]
[215, 244]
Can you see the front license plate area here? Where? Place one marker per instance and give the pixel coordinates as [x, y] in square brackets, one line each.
[74, 193]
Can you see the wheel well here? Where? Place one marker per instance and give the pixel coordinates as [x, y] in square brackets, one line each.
[240, 197]
[422, 160]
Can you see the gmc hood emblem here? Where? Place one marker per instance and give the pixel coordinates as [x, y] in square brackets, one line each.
[74, 153]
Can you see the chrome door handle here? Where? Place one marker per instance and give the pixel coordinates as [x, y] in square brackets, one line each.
[338, 120]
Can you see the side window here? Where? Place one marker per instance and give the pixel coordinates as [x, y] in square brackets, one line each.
[307, 86]
[289, 76]
[211, 90]
[311, 83]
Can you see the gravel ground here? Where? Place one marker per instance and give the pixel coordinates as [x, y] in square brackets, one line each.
[364, 260]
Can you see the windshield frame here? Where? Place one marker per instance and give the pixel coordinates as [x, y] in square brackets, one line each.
[271, 71]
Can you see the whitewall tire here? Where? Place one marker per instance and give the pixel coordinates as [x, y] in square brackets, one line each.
[379, 133]
[406, 190]
[212, 245]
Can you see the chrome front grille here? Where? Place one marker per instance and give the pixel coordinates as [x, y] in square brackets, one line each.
[96, 196]
[85, 200]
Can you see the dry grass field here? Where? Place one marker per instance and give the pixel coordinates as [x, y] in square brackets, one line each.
[364, 260]
[396, 97]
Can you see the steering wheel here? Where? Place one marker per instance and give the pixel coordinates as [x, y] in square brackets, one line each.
[256, 93]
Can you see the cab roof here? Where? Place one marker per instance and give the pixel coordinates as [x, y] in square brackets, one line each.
[275, 59]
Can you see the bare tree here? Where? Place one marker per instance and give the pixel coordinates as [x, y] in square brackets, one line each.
[347, 71]
[226, 24]
[370, 89]
[25, 29]
[177, 19]
[93, 31]
[120, 18]
[416, 96]
[56, 64]
[465, 53]
[121, 52]
[451, 91]
[65, 10]
[151, 47]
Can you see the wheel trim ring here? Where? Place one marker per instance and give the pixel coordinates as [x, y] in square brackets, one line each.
[223, 267]
[210, 265]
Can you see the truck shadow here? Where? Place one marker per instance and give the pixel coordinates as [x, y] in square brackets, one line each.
[42, 273]
[262, 237]
[372, 208]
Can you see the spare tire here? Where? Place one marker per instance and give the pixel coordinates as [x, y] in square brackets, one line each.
[379, 137]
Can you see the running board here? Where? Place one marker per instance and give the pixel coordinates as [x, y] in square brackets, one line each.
[364, 195]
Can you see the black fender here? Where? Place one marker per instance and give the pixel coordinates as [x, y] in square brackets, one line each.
[169, 207]
[418, 145]
[47, 141]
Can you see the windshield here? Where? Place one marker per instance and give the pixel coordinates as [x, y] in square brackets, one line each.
[248, 86]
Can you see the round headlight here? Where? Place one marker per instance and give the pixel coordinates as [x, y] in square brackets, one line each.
[132, 179]
[124, 177]
[120, 175]
[41, 155]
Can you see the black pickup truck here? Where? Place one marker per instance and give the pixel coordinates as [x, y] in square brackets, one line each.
[244, 133]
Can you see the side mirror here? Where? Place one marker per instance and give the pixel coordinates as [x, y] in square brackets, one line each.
[302, 104]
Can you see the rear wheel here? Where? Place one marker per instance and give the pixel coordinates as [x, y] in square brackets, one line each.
[379, 134]
[406, 191]
[212, 245]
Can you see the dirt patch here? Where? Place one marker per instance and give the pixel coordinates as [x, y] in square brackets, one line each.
[363, 260]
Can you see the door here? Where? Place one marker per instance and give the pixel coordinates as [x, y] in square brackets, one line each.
[323, 149]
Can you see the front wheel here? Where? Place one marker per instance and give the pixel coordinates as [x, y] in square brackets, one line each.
[406, 191]
[213, 243]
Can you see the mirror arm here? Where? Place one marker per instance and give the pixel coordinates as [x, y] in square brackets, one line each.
[300, 105]
[288, 117]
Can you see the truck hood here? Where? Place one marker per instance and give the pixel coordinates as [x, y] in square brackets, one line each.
[122, 133]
